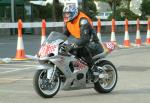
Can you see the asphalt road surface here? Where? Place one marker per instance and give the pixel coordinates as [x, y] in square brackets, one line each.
[8, 44]
[133, 85]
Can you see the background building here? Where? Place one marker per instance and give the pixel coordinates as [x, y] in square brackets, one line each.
[22, 10]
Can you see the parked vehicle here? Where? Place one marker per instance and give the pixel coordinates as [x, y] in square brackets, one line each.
[104, 15]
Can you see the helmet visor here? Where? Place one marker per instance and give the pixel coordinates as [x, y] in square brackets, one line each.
[66, 16]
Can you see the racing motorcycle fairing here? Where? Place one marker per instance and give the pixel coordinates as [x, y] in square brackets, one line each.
[73, 69]
[74, 73]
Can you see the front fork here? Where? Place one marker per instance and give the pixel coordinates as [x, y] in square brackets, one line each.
[51, 73]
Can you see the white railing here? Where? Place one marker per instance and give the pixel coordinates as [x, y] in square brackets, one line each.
[61, 24]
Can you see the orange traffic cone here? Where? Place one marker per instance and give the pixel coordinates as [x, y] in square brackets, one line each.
[113, 37]
[138, 37]
[126, 38]
[43, 30]
[20, 54]
[148, 32]
[99, 30]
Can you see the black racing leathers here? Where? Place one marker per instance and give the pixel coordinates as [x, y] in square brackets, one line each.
[88, 43]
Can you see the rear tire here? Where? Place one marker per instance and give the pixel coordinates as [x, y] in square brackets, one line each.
[40, 80]
[106, 84]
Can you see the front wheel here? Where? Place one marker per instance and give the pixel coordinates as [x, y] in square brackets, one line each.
[43, 86]
[108, 77]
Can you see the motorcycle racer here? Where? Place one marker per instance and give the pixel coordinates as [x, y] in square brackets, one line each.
[79, 30]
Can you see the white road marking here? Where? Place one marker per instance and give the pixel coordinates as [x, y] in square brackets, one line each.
[15, 79]
[10, 68]
[15, 70]
[17, 65]
[15, 91]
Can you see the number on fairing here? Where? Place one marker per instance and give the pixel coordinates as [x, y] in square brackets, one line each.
[47, 49]
[110, 45]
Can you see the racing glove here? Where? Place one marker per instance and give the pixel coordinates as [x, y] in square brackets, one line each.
[65, 48]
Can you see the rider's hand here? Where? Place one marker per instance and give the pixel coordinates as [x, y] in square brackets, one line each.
[65, 48]
[73, 45]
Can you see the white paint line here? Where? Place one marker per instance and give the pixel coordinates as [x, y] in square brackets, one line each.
[8, 68]
[16, 91]
[17, 65]
[15, 70]
[15, 79]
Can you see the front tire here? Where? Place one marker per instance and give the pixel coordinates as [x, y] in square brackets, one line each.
[108, 82]
[43, 87]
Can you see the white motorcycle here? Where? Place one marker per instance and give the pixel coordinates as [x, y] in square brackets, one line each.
[66, 72]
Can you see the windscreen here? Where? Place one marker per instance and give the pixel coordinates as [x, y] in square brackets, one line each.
[54, 36]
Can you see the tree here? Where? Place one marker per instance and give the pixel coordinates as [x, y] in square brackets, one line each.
[128, 4]
[145, 7]
[57, 10]
[123, 13]
[89, 7]
[50, 12]
[42, 12]
[111, 2]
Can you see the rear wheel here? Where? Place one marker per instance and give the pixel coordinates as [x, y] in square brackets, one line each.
[107, 79]
[44, 87]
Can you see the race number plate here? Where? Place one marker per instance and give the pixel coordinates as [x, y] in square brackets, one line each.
[110, 46]
[47, 49]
